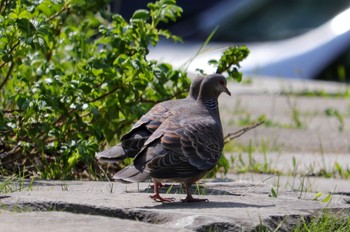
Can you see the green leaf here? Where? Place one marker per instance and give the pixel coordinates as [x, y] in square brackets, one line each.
[213, 62]
[86, 88]
[318, 195]
[273, 193]
[7, 57]
[327, 198]
[97, 72]
[94, 110]
[78, 2]
[25, 14]
[141, 14]
[22, 102]
[25, 26]
[45, 8]
[74, 158]
[12, 15]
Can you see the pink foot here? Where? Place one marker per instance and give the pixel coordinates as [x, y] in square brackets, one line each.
[158, 198]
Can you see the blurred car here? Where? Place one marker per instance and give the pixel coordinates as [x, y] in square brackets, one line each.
[295, 39]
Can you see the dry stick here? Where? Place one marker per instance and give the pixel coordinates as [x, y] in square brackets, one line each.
[231, 136]
[102, 170]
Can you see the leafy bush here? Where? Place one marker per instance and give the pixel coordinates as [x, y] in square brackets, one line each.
[70, 79]
[74, 77]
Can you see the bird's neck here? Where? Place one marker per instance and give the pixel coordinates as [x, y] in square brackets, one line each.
[211, 104]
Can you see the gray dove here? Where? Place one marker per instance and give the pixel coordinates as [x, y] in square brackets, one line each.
[132, 142]
[185, 146]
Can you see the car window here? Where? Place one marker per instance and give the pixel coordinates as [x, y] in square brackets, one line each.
[273, 20]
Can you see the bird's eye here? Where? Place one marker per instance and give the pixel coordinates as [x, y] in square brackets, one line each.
[222, 82]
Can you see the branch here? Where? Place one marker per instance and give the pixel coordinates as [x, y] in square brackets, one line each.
[11, 111]
[5, 154]
[103, 95]
[7, 75]
[3, 6]
[175, 95]
[11, 50]
[65, 8]
[231, 136]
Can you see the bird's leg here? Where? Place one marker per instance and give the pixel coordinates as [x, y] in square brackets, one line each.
[163, 185]
[189, 197]
[156, 195]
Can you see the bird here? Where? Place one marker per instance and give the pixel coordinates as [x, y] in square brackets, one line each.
[132, 142]
[185, 146]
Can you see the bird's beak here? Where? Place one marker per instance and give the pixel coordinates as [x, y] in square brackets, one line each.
[227, 91]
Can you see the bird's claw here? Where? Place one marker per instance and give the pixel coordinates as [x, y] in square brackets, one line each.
[191, 199]
[158, 198]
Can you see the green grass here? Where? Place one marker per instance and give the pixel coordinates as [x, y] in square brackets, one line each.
[337, 171]
[319, 93]
[243, 160]
[15, 184]
[325, 223]
[296, 114]
[330, 112]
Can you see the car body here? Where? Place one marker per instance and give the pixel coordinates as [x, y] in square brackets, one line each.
[301, 56]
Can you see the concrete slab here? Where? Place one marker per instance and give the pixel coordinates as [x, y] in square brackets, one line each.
[269, 85]
[232, 205]
[70, 222]
[306, 164]
[318, 131]
[297, 183]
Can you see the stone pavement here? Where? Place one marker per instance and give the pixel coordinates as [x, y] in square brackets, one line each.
[238, 202]
[91, 206]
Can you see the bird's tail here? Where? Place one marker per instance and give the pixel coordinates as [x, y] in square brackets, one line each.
[111, 155]
[131, 174]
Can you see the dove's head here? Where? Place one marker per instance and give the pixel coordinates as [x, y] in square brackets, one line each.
[213, 85]
[195, 86]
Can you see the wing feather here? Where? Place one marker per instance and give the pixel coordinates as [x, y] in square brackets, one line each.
[182, 151]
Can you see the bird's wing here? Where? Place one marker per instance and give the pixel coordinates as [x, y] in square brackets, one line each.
[182, 148]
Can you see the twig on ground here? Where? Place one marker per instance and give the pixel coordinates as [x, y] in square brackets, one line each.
[231, 136]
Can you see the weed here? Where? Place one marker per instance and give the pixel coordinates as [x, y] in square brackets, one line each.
[328, 221]
[200, 190]
[302, 188]
[274, 193]
[15, 183]
[317, 195]
[327, 199]
[110, 187]
[169, 189]
[296, 118]
[295, 114]
[330, 112]
[336, 172]
[64, 187]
